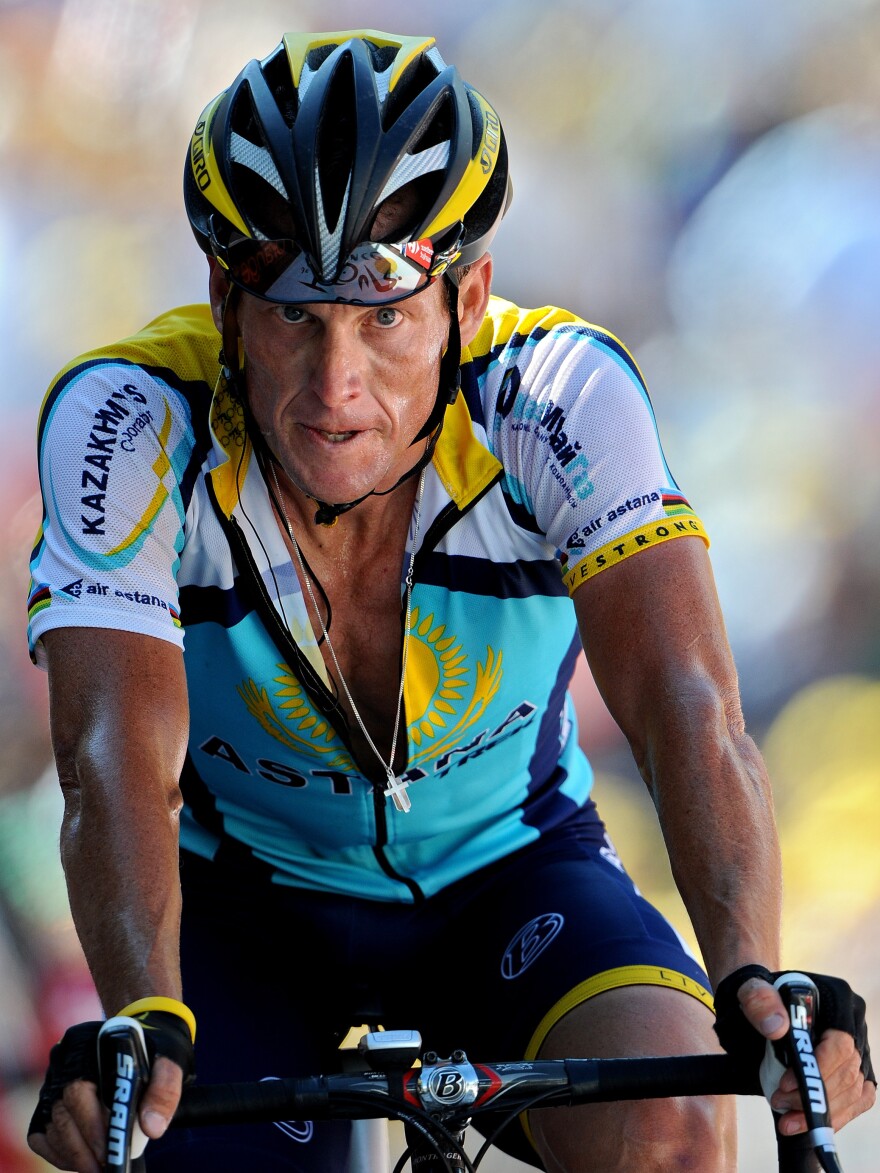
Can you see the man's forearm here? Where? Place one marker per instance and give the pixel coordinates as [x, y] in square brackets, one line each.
[121, 865]
[716, 812]
[119, 737]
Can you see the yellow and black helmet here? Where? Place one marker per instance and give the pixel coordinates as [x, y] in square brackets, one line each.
[288, 167]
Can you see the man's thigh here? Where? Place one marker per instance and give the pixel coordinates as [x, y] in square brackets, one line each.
[635, 1021]
[544, 942]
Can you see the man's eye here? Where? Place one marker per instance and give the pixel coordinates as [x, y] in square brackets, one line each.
[292, 313]
[387, 316]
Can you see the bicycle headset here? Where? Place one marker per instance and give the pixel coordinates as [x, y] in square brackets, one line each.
[287, 170]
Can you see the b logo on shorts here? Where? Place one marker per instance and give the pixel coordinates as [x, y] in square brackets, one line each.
[529, 943]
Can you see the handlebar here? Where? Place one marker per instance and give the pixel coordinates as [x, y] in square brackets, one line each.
[438, 1099]
[476, 1087]
[454, 1091]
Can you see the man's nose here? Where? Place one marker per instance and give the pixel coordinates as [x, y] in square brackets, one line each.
[335, 374]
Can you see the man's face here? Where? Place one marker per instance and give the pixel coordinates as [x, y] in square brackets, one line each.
[341, 391]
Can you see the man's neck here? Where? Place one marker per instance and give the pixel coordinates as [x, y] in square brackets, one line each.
[380, 520]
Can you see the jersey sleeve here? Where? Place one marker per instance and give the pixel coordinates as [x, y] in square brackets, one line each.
[576, 433]
[114, 444]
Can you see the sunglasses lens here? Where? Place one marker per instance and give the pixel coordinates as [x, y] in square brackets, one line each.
[256, 265]
[373, 274]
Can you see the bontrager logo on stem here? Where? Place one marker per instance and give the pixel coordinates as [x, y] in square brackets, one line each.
[447, 1085]
[529, 943]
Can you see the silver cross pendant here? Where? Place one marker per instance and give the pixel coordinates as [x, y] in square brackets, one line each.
[396, 788]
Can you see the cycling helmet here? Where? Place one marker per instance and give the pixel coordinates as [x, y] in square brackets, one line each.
[288, 168]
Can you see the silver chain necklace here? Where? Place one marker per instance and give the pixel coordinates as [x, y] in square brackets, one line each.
[396, 788]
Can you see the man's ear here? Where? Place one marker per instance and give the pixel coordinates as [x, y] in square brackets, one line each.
[473, 298]
[218, 288]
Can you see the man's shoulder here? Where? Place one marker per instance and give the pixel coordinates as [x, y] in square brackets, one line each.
[510, 326]
[181, 345]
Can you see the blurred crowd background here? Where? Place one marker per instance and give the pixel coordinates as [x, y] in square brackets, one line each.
[701, 177]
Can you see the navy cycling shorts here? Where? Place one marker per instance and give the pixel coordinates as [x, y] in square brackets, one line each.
[277, 976]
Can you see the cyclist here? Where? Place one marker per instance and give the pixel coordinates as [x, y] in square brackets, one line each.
[307, 606]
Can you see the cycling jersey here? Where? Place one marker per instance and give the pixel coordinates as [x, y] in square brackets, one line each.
[158, 520]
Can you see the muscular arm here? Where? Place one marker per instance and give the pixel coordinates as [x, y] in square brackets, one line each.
[119, 721]
[656, 645]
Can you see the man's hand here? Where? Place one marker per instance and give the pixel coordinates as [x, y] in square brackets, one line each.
[74, 1135]
[69, 1126]
[842, 1051]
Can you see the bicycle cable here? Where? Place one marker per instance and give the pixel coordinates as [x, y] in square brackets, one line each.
[491, 1137]
[429, 1127]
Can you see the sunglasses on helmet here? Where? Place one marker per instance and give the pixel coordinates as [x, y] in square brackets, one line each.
[373, 274]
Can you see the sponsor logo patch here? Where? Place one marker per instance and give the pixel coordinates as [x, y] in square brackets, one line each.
[529, 943]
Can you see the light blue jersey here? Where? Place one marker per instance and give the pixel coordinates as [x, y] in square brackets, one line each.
[158, 520]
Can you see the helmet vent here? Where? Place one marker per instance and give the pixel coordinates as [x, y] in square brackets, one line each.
[276, 71]
[316, 57]
[336, 144]
[256, 159]
[383, 56]
[476, 121]
[415, 166]
[414, 79]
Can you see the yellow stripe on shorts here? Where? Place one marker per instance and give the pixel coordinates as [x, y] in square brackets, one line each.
[611, 979]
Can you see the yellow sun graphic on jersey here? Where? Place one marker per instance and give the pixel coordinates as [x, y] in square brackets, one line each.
[436, 677]
[294, 722]
[443, 695]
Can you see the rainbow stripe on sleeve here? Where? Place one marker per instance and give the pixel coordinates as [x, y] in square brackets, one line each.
[674, 504]
[39, 599]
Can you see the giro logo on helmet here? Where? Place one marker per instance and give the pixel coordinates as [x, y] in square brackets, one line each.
[197, 156]
[491, 140]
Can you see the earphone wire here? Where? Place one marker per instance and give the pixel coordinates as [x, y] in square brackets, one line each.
[388, 766]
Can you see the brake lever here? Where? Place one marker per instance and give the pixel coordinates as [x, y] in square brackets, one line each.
[795, 1050]
[124, 1071]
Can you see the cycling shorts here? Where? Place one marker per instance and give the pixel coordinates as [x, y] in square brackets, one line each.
[277, 976]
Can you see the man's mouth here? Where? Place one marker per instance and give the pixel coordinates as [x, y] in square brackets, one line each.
[333, 437]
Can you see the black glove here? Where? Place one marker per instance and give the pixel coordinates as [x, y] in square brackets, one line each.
[76, 1057]
[839, 1009]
